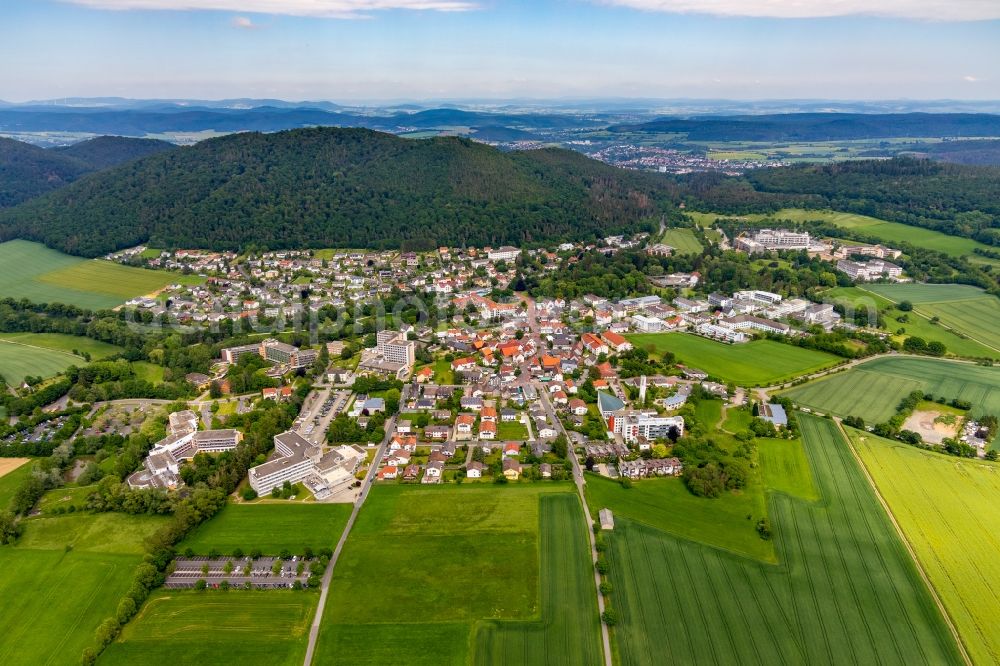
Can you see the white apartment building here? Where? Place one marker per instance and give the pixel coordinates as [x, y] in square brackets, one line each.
[765, 240]
[505, 253]
[298, 460]
[862, 271]
[395, 348]
[721, 333]
[748, 322]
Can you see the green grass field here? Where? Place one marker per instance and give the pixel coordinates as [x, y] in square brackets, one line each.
[43, 275]
[63, 343]
[431, 563]
[214, 627]
[11, 481]
[53, 597]
[755, 363]
[873, 390]
[785, 468]
[958, 342]
[683, 240]
[969, 311]
[568, 631]
[148, 371]
[270, 527]
[514, 430]
[18, 361]
[668, 506]
[949, 510]
[846, 590]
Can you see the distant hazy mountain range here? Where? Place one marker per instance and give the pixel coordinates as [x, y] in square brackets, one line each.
[714, 119]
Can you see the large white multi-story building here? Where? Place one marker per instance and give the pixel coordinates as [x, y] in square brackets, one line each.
[749, 322]
[161, 468]
[505, 253]
[394, 347]
[765, 240]
[864, 271]
[637, 426]
[275, 351]
[298, 460]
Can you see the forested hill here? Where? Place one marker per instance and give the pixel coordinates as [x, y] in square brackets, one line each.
[108, 151]
[27, 171]
[341, 187]
[823, 126]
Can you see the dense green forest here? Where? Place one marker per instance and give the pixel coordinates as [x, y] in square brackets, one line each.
[343, 187]
[104, 152]
[27, 171]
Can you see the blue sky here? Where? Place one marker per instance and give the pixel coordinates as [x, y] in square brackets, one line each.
[368, 50]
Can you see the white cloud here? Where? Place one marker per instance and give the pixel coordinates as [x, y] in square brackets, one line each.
[969, 78]
[931, 10]
[310, 8]
[243, 22]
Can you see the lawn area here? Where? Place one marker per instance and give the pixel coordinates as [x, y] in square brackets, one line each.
[13, 472]
[43, 275]
[513, 430]
[949, 510]
[873, 390]
[432, 563]
[53, 597]
[18, 361]
[270, 527]
[968, 310]
[846, 590]
[64, 343]
[668, 506]
[957, 341]
[235, 627]
[92, 532]
[683, 240]
[148, 371]
[442, 372]
[755, 363]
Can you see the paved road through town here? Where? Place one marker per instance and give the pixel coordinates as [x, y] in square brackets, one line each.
[390, 427]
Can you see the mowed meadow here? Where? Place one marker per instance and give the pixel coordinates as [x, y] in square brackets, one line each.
[845, 589]
[43, 275]
[755, 363]
[270, 528]
[949, 510]
[449, 575]
[63, 578]
[46, 354]
[232, 627]
[874, 389]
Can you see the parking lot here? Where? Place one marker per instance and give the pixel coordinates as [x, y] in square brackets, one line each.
[259, 572]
